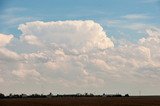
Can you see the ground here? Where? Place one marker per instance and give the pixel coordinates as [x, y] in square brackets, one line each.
[83, 101]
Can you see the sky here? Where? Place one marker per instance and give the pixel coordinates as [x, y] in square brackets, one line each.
[78, 46]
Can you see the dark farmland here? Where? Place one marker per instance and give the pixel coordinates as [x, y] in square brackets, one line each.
[83, 101]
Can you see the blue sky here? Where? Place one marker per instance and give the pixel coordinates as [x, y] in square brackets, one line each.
[42, 46]
[15, 12]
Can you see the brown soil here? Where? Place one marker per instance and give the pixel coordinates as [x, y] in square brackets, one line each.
[83, 101]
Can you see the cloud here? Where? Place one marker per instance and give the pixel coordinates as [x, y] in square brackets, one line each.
[8, 54]
[72, 53]
[5, 39]
[14, 10]
[12, 20]
[4, 52]
[22, 71]
[150, 1]
[136, 17]
[136, 26]
[110, 22]
[73, 34]
[65, 43]
[140, 27]
[9, 18]
[122, 24]
[1, 80]
[30, 39]
[152, 42]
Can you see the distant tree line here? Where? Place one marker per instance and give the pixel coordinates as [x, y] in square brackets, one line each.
[50, 95]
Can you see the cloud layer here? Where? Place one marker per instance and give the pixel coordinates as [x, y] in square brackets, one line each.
[76, 56]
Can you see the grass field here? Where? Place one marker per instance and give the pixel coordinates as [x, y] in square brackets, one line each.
[83, 101]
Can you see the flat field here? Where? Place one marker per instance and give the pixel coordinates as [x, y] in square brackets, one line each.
[83, 101]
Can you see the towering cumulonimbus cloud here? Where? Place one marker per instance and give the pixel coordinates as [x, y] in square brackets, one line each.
[73, 34]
